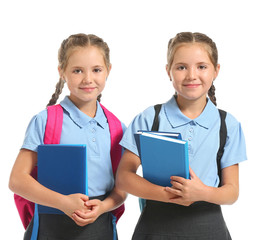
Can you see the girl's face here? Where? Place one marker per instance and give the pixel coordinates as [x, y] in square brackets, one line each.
[85, 75]
[192, 72]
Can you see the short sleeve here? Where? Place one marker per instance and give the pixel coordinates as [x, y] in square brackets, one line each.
[235, 148]
[142, 121]
[34, 135]
[123, 127]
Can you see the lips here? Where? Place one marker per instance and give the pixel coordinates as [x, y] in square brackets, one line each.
[192, 85]
[88, 89]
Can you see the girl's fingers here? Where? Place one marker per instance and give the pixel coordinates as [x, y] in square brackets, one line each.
[174, 191]
[80, 221]
[84, 197]
[86, 214]
[178, 179]
[176, 185]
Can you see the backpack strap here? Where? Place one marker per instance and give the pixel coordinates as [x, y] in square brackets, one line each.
[223, 138]
[54, 124]
[155, 125]
[116, 133]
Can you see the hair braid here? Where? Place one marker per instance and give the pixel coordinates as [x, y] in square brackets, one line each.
[58, 91]
[211, 94]
[99, 97]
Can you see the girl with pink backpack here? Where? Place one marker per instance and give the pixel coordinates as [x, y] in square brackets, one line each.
[84, 64]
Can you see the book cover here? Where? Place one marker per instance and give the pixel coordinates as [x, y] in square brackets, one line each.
[62, 168]
[166, 134]
[162, 157]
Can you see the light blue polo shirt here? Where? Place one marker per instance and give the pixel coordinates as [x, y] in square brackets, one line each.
[78, 128]
[201, 133]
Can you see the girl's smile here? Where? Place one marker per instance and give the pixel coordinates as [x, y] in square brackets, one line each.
[191, 85]
[88, 89]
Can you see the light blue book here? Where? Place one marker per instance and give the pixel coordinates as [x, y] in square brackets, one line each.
[62, 168]
[162, 157]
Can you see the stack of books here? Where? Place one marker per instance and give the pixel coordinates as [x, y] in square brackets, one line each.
[162, 154]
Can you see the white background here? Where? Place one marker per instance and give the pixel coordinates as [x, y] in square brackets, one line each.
[137, 33]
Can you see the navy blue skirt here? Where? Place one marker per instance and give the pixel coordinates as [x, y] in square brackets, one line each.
[166, 221]
[60, 226]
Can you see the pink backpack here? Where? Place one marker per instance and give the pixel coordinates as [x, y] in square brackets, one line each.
[52, 136]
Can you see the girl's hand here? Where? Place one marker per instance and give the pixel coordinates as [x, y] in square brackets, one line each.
[187, 191]
[95, 209]
[74, 202]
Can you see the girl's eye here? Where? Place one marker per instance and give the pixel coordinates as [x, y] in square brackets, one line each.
[181, 68]
[97, 70]
[77, 71]
[202, 67]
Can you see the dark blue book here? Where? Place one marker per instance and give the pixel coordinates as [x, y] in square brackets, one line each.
[162, 157]
[62, 168]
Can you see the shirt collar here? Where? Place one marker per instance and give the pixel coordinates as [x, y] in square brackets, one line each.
[80, 118]
[176, 118]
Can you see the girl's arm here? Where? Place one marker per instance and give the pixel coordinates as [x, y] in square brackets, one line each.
[127, 180]
[193, 190]
[23, 184]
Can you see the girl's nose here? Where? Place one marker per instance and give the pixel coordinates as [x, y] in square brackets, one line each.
[191, 75]
[87, 78]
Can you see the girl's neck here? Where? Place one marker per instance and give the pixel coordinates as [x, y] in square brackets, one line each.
[88, 108]
[191, 108]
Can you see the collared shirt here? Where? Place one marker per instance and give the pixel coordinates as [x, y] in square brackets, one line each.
[78, 128]
[201, 133]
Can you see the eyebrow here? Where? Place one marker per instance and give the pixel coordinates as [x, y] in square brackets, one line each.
[204, 63]
[182, 63]
[101, 66]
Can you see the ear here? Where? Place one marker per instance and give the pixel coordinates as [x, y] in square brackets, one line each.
[108, 71]
[168, 72]
[217, 69]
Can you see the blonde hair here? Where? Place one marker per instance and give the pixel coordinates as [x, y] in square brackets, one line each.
[188, 37]
[65, 51]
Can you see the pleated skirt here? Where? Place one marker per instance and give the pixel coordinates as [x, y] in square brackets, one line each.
[166, 221]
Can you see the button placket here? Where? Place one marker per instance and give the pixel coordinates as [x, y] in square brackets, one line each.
[92, 133]
[190, 137]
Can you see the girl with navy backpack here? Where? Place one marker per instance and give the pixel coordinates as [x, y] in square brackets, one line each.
[190, 208]
[84, 65]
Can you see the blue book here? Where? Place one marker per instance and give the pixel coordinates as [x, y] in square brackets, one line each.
[166, 134]
[62, 168]
[162, 157]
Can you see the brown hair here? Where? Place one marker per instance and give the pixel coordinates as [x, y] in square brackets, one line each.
[189, 37]
[65, 51]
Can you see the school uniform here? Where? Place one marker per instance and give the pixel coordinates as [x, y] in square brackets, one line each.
[78, 128]
[201, 220]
